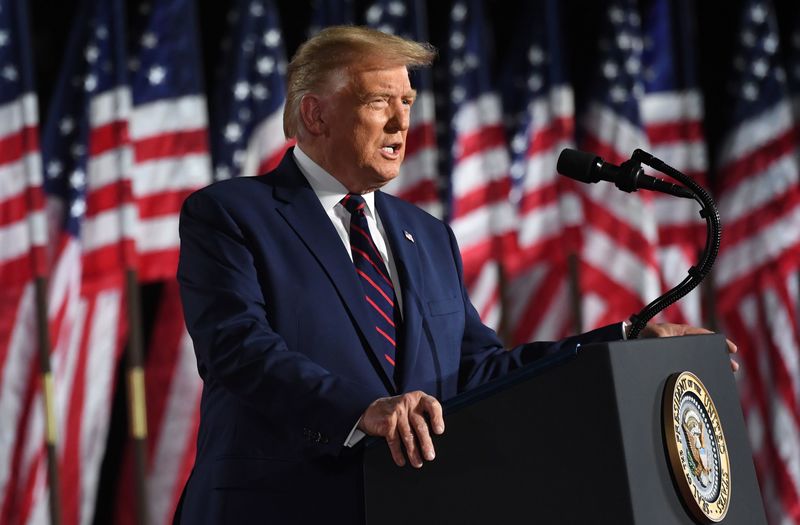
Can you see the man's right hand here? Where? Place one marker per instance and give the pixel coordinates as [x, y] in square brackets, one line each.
[401, 419]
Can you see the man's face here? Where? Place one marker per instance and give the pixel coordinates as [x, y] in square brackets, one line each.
[366, 121]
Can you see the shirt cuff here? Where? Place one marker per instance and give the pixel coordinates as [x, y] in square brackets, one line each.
[354, 436]
[625, 325]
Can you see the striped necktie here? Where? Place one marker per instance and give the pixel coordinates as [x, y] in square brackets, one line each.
[378, 289]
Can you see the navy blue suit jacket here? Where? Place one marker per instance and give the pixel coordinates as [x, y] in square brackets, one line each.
[284, 345]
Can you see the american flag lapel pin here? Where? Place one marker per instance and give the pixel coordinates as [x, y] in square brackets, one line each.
[408, 235]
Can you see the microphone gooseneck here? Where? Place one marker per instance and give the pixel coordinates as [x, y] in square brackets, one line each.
[589, 168]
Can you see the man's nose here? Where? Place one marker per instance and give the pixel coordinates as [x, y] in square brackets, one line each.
[399, 118]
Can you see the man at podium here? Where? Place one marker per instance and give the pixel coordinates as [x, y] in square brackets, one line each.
[323, 309]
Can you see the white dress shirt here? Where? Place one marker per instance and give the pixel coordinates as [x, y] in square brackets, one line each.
[330, 192]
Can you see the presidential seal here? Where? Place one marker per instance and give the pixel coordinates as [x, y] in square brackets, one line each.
[696, 447]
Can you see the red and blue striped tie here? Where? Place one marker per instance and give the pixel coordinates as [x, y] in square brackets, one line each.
[378, 288]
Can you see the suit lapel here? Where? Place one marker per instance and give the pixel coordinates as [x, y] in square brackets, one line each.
[305, 215]
[401, 240]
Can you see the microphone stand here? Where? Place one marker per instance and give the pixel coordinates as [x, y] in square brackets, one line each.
[698, 272]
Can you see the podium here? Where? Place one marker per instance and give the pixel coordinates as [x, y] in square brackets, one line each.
[579, 440]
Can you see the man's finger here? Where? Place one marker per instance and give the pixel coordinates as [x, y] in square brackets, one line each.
[434, 410]
[393, 440]
[420, 427]
[407, 435]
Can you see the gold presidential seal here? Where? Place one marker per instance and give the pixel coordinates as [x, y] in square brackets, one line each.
[696, 447]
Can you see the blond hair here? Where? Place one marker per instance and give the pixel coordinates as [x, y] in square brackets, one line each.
[338, 47]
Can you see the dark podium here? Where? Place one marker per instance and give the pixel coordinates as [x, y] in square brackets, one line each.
[577, 440]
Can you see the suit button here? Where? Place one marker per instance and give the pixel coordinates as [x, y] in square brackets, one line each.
[317, 437]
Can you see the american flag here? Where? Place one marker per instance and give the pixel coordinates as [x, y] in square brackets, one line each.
[672, 114]
[86, 156]
[23, 232]
[326, 13]
[619, 269]
[757, 270]
[247, 131]
[168, 130]
[482, 216]
[540, 104]
[168, 127]
[418, 178]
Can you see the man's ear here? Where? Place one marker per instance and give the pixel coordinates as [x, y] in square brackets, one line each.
[311, 114]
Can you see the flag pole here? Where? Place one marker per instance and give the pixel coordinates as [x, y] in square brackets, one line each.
[137, 406]
[43, 335]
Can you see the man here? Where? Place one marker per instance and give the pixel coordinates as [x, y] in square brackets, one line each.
[322, 309]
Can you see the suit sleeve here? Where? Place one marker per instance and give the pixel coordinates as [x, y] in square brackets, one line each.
[483, 356]
[235, 345]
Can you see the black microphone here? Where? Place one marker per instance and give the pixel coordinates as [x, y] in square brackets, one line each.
[629, 176]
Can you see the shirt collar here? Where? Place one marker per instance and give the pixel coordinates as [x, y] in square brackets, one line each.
[328, 189]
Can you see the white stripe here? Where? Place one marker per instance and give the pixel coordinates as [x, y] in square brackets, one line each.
[476, 171]
[108, 167]
[482, 223]
[788, 442]
[19, 175]
[684, 156]
[17, 238]
[753, 133]
[14, 374]
[540, 169]
[424, 110]
[592, 308]
[189, 171]
[782, 335]
[266, 140]
[617, 262]
[108, 227]
[19, 113]
[758, 189]
[482, 291]
[177, 424]
[521, 290]
[168, 116]
[559, 103]
[671, 106]
[541, 223]
[766, 245]
[415, 169]
[476, 114]
[97, 401]
[674, 268]
[629, 208]
[110, 106]
[158, 233]
[611, 129]
[676, 212]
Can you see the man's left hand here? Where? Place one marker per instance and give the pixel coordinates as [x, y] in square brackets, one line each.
[670, 330]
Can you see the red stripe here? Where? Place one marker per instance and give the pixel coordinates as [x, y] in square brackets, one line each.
[18, 207]
[107, 137]
[108, 197]
[388, 358]
[532, 200]
[620, 302]
[492, 192]
[158, 265]
[363, 254]
[757, 219]
[423, 192]
[759, 159]
[419, 138]
[166, 202]
[484, 138]
[379, 310]
[384, 334]
[368, 237]
[558, 130]
[365, 276]
[172, 144]
[619, 231]
[15, 271]
[675, 131]
[14, 147]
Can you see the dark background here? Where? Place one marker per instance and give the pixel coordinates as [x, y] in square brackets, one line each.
[716, 23]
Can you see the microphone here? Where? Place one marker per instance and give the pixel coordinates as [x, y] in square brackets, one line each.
[629, 176]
